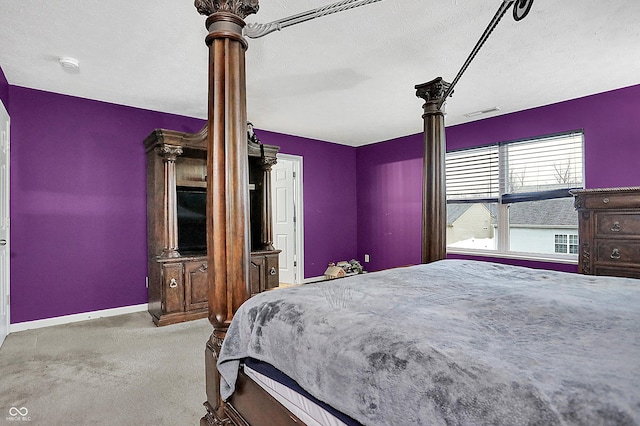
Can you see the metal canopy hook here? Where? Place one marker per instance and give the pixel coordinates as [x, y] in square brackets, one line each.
[521, 9]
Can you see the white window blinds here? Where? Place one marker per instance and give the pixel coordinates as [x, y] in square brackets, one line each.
[473, 174]
[547, 166]
[509, 172]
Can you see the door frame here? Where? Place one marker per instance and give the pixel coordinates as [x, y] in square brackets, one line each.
[298, 210]
[7, 247]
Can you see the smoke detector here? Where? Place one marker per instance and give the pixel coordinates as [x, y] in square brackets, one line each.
[70, 65]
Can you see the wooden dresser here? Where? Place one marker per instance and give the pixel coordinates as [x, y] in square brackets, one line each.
[609, 231]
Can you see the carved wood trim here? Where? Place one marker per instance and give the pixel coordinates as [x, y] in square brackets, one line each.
[598, 190]
[214, 402]
[241, 8]
[212, 419]
[160, 137]
[586, 258]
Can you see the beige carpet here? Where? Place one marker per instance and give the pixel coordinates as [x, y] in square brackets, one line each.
[109, 371]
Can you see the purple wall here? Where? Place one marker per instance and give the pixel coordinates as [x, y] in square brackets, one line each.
[78, 207]
[389, 202]
[330, 220]
[390, 171]
[611, 123]
[4, 90]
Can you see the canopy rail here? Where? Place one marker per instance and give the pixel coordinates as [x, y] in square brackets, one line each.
[261, 30]
[521, 9]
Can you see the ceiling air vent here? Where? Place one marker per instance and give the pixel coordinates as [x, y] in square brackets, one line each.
[482, 112]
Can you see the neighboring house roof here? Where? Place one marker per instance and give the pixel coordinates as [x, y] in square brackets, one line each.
[549, 213]
[455, 210]
[557, 211]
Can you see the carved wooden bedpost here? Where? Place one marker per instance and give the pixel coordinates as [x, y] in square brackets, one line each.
[434, 203]
[227, 180]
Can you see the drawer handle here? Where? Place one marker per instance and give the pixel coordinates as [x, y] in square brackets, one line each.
[173, 283]
[605, 200]
[272, 271]
[615, 254]
[615, 227]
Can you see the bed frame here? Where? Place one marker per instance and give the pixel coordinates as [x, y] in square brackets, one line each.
[228, 212]
[228, 236]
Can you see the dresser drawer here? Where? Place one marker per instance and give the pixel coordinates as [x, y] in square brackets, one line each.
[618, 251]
[609, 200]
[618, 272]
[624, 224]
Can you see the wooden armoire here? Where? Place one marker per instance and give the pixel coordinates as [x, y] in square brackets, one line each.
[176, 226]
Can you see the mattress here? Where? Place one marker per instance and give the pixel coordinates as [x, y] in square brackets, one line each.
[287, 392]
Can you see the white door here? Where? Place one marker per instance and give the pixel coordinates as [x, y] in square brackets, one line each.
[4, 223]
[286, 190]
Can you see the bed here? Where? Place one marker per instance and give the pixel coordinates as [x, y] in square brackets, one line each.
[451, 342]
[444, 342]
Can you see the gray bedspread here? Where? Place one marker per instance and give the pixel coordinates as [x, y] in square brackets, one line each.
[453, 342]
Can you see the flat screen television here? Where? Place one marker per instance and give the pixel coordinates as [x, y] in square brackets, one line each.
[192, 219]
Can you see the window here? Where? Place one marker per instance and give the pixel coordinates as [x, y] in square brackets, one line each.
[566, 243]
[514, 196]
[561, 243]
[573, 244]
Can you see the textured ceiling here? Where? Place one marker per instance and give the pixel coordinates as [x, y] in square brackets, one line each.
[347, 78]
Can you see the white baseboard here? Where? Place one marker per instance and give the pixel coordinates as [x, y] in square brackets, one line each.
[313, 279]
[67, 319]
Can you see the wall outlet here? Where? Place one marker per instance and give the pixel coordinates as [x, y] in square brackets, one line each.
[366, 258]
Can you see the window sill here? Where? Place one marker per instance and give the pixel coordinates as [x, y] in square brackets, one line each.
[533, 257]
